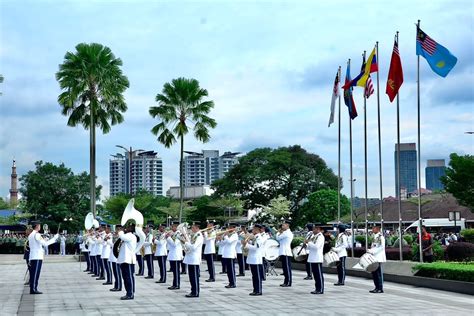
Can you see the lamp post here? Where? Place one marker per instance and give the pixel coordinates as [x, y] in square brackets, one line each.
[130, 155]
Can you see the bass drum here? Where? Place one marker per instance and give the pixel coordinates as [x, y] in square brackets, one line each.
[331, 258]
[368, 262]
[299, 253]
[272, 248]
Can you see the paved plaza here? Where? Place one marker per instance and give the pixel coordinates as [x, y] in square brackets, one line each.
[67, 291]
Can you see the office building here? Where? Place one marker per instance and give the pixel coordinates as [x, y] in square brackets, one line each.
[408, 169]
[206, 167]
[435, 169]
[143, 172]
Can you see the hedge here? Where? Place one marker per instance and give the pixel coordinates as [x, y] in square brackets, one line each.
[446, 270]
[390, 253]
[468, 234]
[460, 251]
[438, 252]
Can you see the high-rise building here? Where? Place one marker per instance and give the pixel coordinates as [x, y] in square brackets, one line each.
[435, 169]
[206, 167]
[143, 172]
[408, 173]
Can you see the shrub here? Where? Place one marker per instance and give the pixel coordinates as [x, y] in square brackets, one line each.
[394, 253]
[446, 270]
[296, 241]
[438, 252]
[361, 239]
[468, 234]
[460, 251]
[408, 239]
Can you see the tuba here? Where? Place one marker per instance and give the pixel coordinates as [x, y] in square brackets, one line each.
[131, 213]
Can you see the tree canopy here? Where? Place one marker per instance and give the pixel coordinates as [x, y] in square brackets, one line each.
[459, 179]
[321, 207]
[53, 192]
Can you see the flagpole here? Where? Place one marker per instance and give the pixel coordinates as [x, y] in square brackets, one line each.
[399, 197]
[419, 155]
[339, 156]
[352, 179]
[380, 139]
[365, 167]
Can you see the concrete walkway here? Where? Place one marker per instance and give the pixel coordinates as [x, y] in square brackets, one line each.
[68, 291]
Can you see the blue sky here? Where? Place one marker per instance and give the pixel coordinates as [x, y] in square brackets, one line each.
[268, 66]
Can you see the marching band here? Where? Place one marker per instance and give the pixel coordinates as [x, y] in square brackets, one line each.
[111, 254]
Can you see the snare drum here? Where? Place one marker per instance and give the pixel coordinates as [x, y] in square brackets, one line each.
[331, 258]
[299, 253]
[271, 249]
[368, 262]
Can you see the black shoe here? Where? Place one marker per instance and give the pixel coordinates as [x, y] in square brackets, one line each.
[36, 292]
[308, 278]
[107, 283]
[316, 292]
[240, 274]
[210, 280]
[285, 285]
[338, 284]
[173, 288]
[222, 272]
[183, 273]
[139, 274]
[160, 281]
[255, 294]
[100, 278]
[149, 277]
[124, 298]
[85, 271]
[230, 286]
[376, 291]
[114, 290]
[191, 295]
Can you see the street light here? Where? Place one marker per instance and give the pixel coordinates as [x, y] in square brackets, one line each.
[130, 155]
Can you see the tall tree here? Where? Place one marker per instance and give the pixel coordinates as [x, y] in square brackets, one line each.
[93, 85]
[181, 108]
[321, 206]
[459, 179]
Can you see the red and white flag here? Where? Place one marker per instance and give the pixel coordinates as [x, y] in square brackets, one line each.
[369, 88]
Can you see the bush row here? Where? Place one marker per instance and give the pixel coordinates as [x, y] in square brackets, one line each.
[446, 270]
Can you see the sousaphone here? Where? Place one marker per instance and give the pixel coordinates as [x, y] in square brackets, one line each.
[130, 213]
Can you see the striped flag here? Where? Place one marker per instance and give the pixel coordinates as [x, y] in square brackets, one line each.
[335, 95]
[369, 88]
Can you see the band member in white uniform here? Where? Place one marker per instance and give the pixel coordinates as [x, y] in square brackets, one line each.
[309, 275]
[106, 250]
[62, 245]
[37, 245]
[140, 262]
[264, 237]
[127, 260]
[99, 247]
[342, 243]
[315, 245]
[175, 256]
[255, 259]
[285, 236]
[193, 258]
[116, 268]
[85, 250]
[148, 252]
[239, 251]
[210, 250]
[92, 253]
[161, 252]
[229, 240]
[377, 249]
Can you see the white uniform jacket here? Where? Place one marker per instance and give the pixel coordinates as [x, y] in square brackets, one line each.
[37, 244]
[209, 242]
[238, 246]
[315, 246]
[92, 246]
[221, 246]
[285, 239]
[342, 243]
[175, 249]
[255, 248]
[378, 248]
[112, 258]
[148, 243]
[98, 244]
[193, 256]
[127, 250]
[229, 248]
[106, 247]
[161, 249]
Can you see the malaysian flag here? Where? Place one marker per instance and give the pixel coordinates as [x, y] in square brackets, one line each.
[369, 88]
[427, 43]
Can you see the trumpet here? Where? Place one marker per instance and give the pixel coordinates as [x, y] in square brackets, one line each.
[209, 228]
[226, 231]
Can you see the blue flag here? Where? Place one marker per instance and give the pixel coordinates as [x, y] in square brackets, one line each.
[348, 99]
[438, 57]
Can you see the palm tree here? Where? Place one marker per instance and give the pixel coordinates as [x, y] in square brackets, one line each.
[92, 87]
[180, 108]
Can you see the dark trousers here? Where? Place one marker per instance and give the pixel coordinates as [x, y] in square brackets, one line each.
[210, 265]
[35, 271]
[230, 266]
[256, 270]
[162, 266]
[341, 270]
[377, 275]
[88, 261]
[194, 278]
[92, 261]
[222, 260]
[106, 264]
[265, 268]
[174, 265]
[183, 267]
[241, 263]
[117, 275]
[318, 276]
[247, 266]
[286, 265]
[308, 270]
[128, 274]
[149, 265]
[101, 266]
[140, 264]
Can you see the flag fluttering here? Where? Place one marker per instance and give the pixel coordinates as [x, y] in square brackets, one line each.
[369, 88]
[395, 74]
[367, 68]
[348, 98]
[335, 95]
[438, 57]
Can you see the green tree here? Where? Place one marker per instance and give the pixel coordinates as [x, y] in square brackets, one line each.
[53, 192]
[4, 205]
[92, 87]
[264, 174]
[322, 207]
[220, 209]
[459, 179]
[181, 107]
[272, 214]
